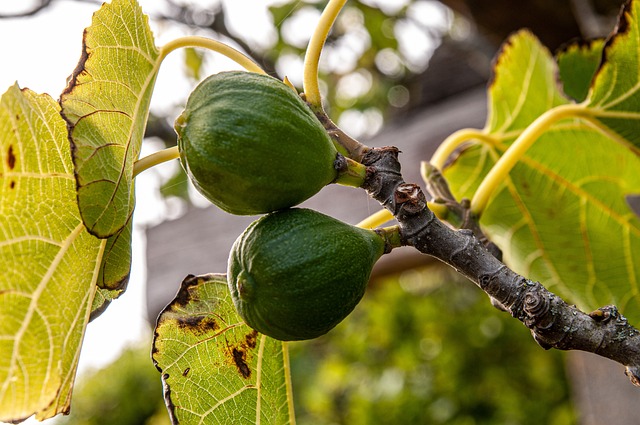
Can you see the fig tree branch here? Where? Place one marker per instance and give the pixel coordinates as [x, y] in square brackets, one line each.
[552, 322]
[39, 7]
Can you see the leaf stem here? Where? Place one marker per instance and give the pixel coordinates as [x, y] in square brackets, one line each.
[314, 50]
[287, 380]
[350, 172]
[516, 151]
[155, 159]
[392, 237]
[376, 219]
[216, 46]
[454, 141]
[440, 210]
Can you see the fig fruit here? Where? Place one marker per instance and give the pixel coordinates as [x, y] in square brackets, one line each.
[294, 274]
[251, 145]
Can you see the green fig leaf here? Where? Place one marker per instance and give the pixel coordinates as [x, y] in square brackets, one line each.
[614, 99]
[49, 262]
[106, 106]
[578, 63]
[193, 61]
[216, 369]
[116, 262]
[114, 270]
[560, 215]
[524, 86]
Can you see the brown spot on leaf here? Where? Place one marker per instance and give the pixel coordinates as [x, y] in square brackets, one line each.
[251, 339]
[240, 360]
[189, 286]
[199, 325]
[184, 294]
[239, 353]
[622, 27]
[577, 44]
[11, 158]
[12, 184]
[498, 57]
[183, 298]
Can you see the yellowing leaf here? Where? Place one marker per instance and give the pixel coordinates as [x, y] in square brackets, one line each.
[49, 261]
[524, 87]
[114, 270]
[106, 106]
[561, 218]
[215, 368]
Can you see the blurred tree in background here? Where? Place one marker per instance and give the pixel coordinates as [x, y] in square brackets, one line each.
[127, 392]
[378, 61]
[426, 348]
[385, 59]
[372, 53]
[370, 68]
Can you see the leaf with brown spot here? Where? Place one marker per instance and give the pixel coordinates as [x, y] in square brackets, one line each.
[47, 260]
[214, 367]
[106, 109]
[11, 158]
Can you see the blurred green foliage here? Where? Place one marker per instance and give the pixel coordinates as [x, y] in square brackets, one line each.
[127, 392]
[374, 48]
[426, 348]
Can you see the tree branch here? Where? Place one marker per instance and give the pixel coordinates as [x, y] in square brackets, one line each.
[30, 12]
[553, 323]
[37, 8]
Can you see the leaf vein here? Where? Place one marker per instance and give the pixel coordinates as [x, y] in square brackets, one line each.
[67, 243]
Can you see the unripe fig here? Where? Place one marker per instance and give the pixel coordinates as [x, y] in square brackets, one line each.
[251, 145]
[295, 274]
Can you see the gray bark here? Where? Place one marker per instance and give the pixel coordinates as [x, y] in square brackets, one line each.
[553, 323]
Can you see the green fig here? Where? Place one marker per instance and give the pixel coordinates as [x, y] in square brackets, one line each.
[294, 274]
[251, 145]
